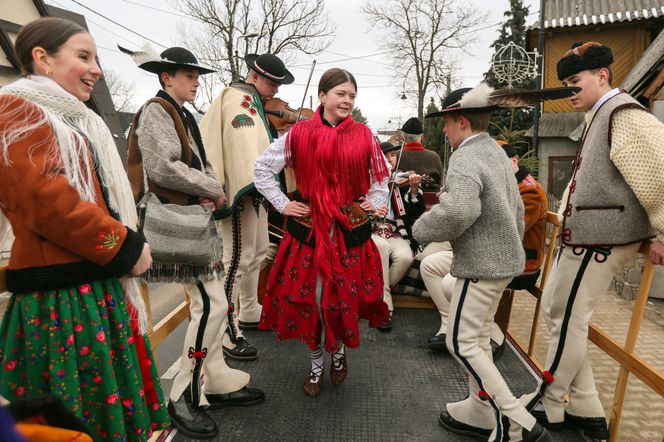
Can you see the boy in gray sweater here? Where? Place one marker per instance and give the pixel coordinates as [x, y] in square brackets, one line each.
[480, 212]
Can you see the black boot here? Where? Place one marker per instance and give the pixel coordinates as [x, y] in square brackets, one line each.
[190, 419]
[593, 427]
[536, 434]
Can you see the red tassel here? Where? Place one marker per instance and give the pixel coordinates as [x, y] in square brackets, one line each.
[547, 376]
[333, 167]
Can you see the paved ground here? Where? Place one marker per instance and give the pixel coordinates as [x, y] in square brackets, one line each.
[643, 409]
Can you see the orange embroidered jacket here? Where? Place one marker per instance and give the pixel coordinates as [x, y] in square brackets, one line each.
[534, 204]
[61, 240]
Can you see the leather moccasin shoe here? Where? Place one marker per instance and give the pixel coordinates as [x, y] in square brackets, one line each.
[242, 397]
[243, 351]
[338, 376]
[313, 389]
[455, 426]
[593, 427]
[387, 325]
[191, 420]
[437, 343]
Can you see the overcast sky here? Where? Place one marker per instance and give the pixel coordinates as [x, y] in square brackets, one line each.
[378, 99]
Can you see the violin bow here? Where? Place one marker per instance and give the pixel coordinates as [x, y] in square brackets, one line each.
[394, 181]
[304, 97]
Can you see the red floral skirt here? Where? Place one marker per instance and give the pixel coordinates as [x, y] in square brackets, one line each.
[356, 292]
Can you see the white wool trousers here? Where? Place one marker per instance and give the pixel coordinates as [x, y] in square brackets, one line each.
[433, 269]
[579, 278]
[202, 353]
[245, 243]
[399, 252]
[474, 304]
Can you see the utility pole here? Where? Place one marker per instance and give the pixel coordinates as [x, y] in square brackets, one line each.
[538, 80]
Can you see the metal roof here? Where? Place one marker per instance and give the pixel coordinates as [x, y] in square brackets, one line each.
[569, 13]
[558, 124]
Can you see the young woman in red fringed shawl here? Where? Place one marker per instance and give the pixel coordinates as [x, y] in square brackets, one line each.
[327, 273]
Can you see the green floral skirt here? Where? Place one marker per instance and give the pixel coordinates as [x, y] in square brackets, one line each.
[77, 344]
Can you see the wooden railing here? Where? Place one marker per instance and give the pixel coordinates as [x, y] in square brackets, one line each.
[630, 363]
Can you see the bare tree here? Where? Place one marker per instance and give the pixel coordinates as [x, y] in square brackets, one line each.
[421, 36]
[122, 92]
[232, 28]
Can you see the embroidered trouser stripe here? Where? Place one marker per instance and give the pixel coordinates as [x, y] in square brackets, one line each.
[202, 352]
[578, 281]
[474, 304]
[232, 270]
[464, 361]
[245, 243]
[198, 347]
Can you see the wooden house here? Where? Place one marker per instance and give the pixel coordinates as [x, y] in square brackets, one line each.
[630, 28]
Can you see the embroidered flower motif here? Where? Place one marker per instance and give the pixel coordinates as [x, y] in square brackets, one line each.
[252, 111]
[109, 240]
[85, 350]
[9, 366]
[20, 391]
[247, 97]
[101, 337]
[112, 398]
[85, 289]
[78, 327]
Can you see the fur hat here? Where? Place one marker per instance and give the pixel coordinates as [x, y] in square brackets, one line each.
[467, 100]
[581, 57]
[412, 127]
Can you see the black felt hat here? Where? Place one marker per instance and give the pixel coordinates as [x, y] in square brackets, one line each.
[412, 127]
[170, 60]
[386, 147]
[269, 66]
[467, 100]
[581, 57]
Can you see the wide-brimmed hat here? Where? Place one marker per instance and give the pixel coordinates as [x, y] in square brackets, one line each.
[466, 101]
[412, 127]
[582, 57]
[269, 66]
[170, 60]
[386, 147]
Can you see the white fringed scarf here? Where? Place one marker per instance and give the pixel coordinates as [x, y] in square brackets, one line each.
[72, 124]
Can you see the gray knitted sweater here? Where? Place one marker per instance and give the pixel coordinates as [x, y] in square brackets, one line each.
[480, 213]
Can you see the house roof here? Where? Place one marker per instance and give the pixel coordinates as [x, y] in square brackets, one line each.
[569, 13]
[558, 125]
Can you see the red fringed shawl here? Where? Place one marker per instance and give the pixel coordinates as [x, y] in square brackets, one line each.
[333, 166]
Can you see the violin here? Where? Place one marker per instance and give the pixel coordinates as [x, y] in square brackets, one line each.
[401, 179]
[283, 116]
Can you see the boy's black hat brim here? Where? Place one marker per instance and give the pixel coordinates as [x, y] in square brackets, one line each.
[157, 67]
[462, 110]
[386, 147]
[510, 98]
[269, 66]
